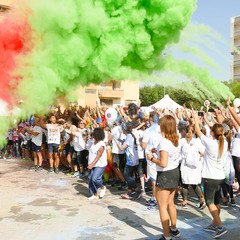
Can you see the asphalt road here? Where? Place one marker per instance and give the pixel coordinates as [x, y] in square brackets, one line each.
[41, 206]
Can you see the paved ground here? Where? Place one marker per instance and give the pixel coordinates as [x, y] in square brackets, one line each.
[37, 205]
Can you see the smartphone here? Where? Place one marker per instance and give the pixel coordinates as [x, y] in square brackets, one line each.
[201, 113]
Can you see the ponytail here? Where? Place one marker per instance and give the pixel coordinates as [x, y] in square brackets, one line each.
[218, 134]
[220, 145]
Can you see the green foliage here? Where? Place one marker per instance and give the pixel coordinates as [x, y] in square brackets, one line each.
[151, 94]
[234, 87]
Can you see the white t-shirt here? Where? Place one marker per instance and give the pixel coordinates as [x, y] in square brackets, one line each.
[235, 148]
[212, 164]
[37, 139]
[139, 134]
[117, 134]
[191, 166]
[174, 154]
[208, 130]
[190, 152]
[102, 162]
[10, 135]
[78, 142]
[151, 136]
[131, 151]
[54, 133]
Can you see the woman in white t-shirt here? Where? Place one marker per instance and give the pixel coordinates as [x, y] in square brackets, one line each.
[168, 174]
[191, 166]
[97, 162]
[213, 173]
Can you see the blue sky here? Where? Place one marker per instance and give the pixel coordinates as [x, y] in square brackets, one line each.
[217, 14]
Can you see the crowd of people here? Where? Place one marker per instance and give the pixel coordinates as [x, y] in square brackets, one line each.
[165, 151]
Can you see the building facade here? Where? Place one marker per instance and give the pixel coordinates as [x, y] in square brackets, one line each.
[4, 7]
[235, 48]
[111, 93]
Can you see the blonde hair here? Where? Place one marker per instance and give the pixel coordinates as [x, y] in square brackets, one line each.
[218, 132]
[168, 127]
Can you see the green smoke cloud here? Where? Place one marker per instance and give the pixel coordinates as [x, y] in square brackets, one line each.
[82, 42]
[194, 75]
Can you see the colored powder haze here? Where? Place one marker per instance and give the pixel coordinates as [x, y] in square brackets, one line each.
[48, 48]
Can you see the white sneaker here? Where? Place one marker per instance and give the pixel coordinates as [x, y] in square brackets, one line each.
[76, 174]
[92, 197]
[101, 192]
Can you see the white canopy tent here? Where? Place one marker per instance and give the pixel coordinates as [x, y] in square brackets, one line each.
[166, 103]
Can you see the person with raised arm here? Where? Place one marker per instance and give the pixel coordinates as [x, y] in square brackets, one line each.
[235, 149]
[213, 173]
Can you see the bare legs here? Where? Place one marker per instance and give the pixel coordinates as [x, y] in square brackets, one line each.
[167, 209]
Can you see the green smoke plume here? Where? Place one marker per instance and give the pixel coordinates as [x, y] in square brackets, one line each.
[179, 71]
[81, 42]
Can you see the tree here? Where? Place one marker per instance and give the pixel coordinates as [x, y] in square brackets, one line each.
[234, 87]
[151, 94]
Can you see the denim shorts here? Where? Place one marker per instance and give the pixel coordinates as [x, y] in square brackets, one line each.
[36, 148]
[53, 148]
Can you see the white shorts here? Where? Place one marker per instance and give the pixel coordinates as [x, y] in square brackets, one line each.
[151, 171]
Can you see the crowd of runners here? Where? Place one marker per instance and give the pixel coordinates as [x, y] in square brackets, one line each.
[163, 152]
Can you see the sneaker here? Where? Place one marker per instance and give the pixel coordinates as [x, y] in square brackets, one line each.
[56, 170]
[163, 238]
[33, 168]
[184, 206]
[148, 190]
[39, 169]
[224, 204]
[70, 174]
[92, 197]
[66, 171]
[233, 203]
[175, 233]
[76, 174]
[101, 192]
[219, 232]
[50, 170]
[139, 194]
[210, 228]
[155, 207]
[202, 206]
[151, 202]
[126, 196]
[123, 187]
[82, 175]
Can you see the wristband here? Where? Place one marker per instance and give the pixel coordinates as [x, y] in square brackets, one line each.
[151, 159]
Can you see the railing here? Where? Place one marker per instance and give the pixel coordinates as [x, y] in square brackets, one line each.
[110, 93]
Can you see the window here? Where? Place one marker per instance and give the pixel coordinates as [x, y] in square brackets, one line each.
[90, 91]
[108, 102]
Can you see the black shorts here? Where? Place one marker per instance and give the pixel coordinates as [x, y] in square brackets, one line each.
[212, 190]
[36, 148]
[10, 142]
[69, 149]
[53, 148]
[168, 179]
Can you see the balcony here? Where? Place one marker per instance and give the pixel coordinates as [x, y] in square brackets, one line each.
[236, 77]
[236, 63]
[110, 93]
[236, 33]
[4, 8]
